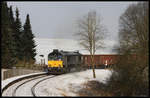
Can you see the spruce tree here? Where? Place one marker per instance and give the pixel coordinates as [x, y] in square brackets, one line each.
[18, 31]
[7, 38]
[28, 41]
[13, 42]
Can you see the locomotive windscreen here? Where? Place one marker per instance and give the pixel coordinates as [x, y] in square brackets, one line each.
[55, 55]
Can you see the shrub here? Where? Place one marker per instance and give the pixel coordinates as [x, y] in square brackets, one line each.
[131, 78]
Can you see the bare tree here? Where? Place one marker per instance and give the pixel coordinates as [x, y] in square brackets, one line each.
[91, 34]
[132, 66]
[134, 30]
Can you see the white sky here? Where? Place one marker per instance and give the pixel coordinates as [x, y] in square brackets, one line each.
[58, 19]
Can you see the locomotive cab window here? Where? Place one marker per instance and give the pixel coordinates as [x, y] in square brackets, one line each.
[55, 57]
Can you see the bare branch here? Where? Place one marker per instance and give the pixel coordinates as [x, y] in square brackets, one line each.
[91, 33]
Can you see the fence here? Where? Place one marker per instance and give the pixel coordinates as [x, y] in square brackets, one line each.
[20, 71]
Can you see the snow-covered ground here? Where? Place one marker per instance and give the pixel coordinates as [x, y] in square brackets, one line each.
[62, 85]
[45, 46]
[68, 84]
[9, 80]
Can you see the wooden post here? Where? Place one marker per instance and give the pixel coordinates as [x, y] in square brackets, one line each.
[44, 62]
[41, 62]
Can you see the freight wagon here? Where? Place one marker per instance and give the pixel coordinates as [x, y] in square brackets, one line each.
[100, 61]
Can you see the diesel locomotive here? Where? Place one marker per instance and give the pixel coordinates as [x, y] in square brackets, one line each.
[62, 61]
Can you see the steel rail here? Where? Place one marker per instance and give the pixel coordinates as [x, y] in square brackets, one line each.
[33, 88]
[14, 92]
[20, 79]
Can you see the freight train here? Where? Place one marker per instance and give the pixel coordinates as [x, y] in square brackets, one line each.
[63, 61]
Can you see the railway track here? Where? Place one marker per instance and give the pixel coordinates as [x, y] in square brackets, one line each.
[39, 78]
[33, 88]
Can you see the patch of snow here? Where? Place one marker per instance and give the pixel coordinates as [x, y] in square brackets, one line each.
[25, 89]
[9, 80]
[68, 84]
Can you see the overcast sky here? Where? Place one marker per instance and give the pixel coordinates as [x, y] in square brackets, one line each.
[59, 19]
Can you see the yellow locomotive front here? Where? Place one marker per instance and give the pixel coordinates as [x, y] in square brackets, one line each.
[55, 62]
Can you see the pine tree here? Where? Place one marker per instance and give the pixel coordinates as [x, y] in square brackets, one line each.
[18, 31]
[13, 42]
[7, 38]
[28, 41]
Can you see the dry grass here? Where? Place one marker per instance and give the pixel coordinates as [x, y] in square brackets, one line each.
[63, 92]
[94, 88]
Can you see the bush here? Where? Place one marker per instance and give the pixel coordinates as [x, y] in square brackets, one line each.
[130, 77]
[94, 88]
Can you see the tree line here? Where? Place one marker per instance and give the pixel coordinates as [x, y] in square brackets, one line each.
[17, 41]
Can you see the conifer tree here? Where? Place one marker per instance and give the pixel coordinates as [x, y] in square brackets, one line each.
[28, 41]
[13, 42]
[7, 38]
[18, 31]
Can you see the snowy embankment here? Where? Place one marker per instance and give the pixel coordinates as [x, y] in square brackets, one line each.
[12, 79]
[68, 84]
